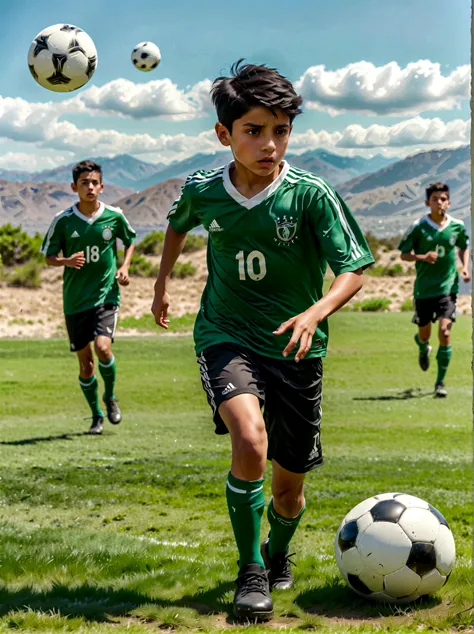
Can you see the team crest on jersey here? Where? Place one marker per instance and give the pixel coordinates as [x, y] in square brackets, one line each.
[452, 240]
[286, 229]
[107, 233]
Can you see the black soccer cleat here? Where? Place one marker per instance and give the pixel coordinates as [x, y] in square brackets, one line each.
[440, 390]
[113, 411]
[424, 359]
[280, 576]
[252, 600]
[97, 426]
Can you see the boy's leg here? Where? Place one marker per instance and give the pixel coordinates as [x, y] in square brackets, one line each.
[245, 500]
[422, 339]
[285, 511]
[106, 321]
[89, 387]
[230, 376]
[293, 420]
[443, 356]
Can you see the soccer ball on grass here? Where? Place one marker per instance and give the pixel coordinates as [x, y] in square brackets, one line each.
[394, 547]
[62, 58]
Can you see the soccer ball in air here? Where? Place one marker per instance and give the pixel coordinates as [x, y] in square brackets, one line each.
[62, 58]
[394, 547]
[146, 56]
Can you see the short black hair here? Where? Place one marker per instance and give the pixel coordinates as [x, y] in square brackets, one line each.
[85, 166]
[436, 187]
[250, 85]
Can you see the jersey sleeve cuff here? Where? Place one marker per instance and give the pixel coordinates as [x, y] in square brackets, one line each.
[361, 263]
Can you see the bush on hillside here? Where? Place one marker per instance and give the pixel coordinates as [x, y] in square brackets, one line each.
[26, 276]
[381, 244]
[152, 244]
[372, 304]
[17, 247]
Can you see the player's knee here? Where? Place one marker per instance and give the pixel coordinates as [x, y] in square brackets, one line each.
[251, 444]
[86, 367]
[289, 497]
[102, 348]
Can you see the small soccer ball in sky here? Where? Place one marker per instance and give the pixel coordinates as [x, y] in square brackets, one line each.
[62, 58]
[394, 547]
[146, 56]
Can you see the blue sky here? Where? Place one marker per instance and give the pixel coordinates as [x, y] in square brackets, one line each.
[306, 40]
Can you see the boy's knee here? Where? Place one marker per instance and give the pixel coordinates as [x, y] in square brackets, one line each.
[102, 348]
[86, 367]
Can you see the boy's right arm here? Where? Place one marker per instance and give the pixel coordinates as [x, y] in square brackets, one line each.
[429, 257]
[174, 243]
[75, 261]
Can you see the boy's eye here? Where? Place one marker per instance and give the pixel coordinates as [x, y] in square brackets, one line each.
[253, 131]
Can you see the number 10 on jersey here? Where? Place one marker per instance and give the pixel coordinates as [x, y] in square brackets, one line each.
[252, 266]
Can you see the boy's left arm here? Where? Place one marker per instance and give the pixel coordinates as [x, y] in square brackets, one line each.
[464, 257]
[127, 234]
[304, 325]
[122, 272]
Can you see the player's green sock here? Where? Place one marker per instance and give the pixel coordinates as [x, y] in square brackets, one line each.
[423, 345]
[246, 503]
[443, 357]
[91, 392]
[282, 530]
[108, 372]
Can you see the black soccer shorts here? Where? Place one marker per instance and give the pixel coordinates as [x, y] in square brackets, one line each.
[289, 392]
[433, 308]
[85, 326]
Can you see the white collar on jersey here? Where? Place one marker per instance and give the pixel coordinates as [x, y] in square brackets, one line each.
[89, 219]
[433, 224]
[248, 203]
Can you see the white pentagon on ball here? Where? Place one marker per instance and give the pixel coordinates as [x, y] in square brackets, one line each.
[146, 56]
[62, 58]
[394, 547]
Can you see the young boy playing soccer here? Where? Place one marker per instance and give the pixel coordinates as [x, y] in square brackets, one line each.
[431, 243]
[85, 234]
[272, 229]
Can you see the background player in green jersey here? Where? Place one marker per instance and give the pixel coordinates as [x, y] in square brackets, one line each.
[85, 234]
[261, 330]
[431, 243]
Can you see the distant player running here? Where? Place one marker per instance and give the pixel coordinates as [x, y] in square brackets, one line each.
[431, 243]
[272, 230]
[85, 234]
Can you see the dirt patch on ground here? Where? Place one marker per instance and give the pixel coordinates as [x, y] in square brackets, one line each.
[38, 313]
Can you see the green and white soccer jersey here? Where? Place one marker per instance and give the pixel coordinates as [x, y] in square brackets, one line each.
[440, 278]
[94, 283]
[267, 255]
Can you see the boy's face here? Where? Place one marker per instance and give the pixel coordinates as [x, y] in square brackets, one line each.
[258, 140]
[88, 187]
[438, 203]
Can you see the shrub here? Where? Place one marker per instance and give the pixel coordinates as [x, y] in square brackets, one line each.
[373, 304]
[152, 244]
[384, 244]
[391, 271]
[141, 266]
[26, 276]
[407, 305]
[183, 269]
[17, 247]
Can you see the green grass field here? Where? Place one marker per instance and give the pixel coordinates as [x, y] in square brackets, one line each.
[129, 532]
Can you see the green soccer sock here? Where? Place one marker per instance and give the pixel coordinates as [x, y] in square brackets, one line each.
[246, 503]
[282, 530]
[108, 372]
[443, 357]
[423, 345]
[91, 392]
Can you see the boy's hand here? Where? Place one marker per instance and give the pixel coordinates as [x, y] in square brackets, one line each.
[304, 326]
[122, 276]
[76, 260]
[159, 308]
[466, 276]
[431, 257]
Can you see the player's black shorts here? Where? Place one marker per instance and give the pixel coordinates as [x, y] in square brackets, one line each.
[85, 326]
[289, 392]
[433, 308]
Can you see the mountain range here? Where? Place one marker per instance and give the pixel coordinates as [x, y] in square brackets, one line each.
[127, 171]
[384, 201]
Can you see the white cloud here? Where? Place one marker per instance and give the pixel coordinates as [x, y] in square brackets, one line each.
[31, 162]
[384, 90]
[158, 98]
